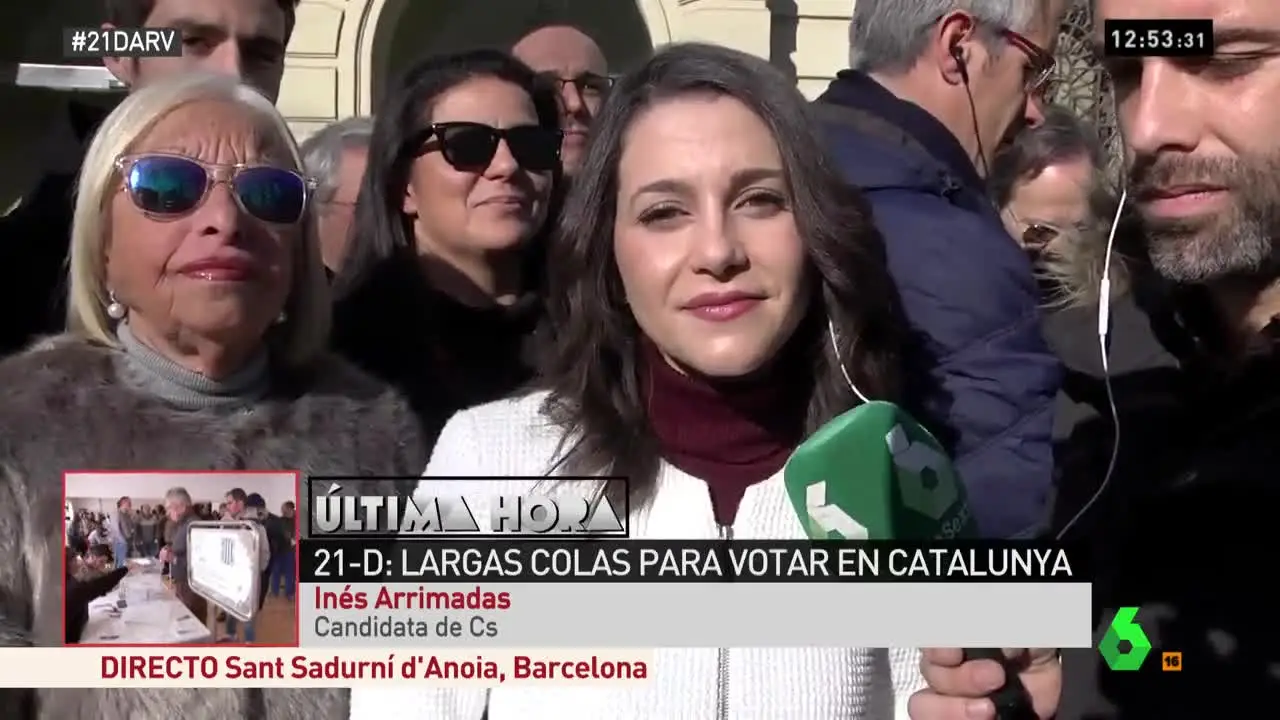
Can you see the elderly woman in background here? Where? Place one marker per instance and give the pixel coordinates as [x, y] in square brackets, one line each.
[1057, 202]
[335, 157]
[198, 315]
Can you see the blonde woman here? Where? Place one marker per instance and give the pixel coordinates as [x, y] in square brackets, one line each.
[1057, 203]
[198, 313]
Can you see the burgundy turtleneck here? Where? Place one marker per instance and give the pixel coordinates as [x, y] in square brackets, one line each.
[730, 433]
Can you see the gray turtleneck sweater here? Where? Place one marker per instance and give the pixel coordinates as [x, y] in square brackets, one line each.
[156, 375]
[147, 370]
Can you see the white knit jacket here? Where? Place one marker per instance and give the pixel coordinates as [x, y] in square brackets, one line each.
[511, 437]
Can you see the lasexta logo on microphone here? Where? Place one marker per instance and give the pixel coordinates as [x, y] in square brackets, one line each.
[827, 518]
[927, 484]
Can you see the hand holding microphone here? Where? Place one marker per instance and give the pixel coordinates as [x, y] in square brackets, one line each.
[960, 687]
[873, 473]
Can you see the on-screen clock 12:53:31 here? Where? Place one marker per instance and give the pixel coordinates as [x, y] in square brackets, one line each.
[1158, 38]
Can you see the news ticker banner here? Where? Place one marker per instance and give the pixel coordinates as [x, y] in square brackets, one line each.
[205, 667]
[468, 562]
[504, 593]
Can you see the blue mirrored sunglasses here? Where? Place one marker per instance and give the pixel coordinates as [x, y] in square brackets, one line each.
[173, 185]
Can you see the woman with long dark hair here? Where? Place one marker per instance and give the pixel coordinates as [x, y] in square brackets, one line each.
[705, 248]
[438, 293]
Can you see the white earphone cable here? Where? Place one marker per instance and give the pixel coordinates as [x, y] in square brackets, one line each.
[835, 352]
[1104, 332]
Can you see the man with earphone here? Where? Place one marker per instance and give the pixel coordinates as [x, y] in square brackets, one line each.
[934, 87]
[1179, 524]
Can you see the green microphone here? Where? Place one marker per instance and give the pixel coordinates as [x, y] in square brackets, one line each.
[874, 473]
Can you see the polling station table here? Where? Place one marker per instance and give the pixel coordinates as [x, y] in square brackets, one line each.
[142, 610]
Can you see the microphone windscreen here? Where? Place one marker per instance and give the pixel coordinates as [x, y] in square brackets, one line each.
[875, 473]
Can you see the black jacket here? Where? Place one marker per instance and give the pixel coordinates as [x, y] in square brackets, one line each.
[1176, 533]
[34, 240]
[279, 534]
[1146, 382]
[82, 592]
[441, 355]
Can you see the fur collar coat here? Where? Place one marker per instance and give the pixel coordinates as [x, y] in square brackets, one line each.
[62, 407]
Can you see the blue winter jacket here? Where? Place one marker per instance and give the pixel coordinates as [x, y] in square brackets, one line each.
[981, 376]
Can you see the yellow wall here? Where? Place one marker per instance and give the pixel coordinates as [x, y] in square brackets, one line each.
[333, 54]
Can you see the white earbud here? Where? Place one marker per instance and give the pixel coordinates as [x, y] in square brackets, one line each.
[1104, 296]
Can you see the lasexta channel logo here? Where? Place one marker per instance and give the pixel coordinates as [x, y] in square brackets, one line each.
[1125, 645]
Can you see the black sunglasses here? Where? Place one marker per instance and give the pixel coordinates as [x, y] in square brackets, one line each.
[174, 185]
[470, 146]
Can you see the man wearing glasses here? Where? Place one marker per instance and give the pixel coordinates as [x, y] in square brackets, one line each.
[934, 87]
[574, 63]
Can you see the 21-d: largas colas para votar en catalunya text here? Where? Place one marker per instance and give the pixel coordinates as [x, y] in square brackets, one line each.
[631, 561]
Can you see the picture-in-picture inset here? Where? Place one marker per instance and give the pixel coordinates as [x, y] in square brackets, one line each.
[180, 558]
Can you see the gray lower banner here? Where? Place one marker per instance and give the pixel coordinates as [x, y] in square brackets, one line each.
[697, 615]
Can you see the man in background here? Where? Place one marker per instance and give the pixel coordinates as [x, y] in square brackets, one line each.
[234, 504]
[244, 38]
[281, 529]
[97, 561]
[181, 512]
[933, 88]
[336, 157]
[253, 510]
[147, 525]
[568, 58]
[122, 529]
[1203, 177]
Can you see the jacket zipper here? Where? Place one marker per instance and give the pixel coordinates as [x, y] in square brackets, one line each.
[722, 655]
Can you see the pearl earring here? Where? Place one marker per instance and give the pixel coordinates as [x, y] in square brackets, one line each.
[281, 317]
[115, 310]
